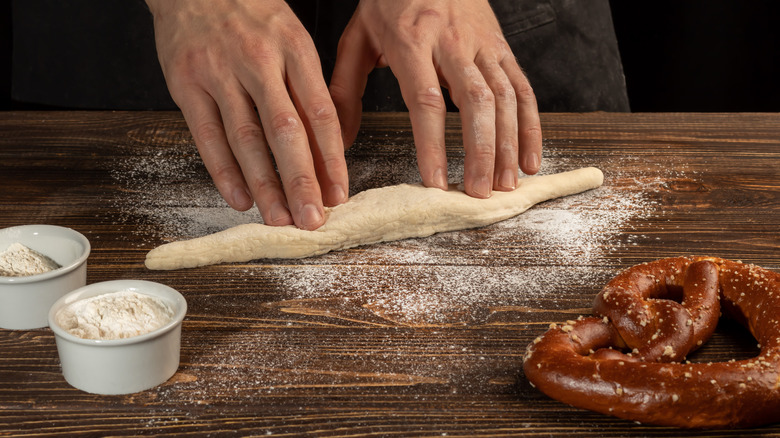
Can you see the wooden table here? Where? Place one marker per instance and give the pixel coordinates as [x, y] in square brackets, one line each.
[415, 338]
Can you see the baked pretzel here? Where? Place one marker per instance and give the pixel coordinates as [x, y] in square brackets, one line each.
[626, 360]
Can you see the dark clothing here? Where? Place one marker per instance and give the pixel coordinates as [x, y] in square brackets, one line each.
[100, 54]
[86, 54]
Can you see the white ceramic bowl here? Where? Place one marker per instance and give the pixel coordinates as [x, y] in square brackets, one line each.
[120, 366]
[25, 301]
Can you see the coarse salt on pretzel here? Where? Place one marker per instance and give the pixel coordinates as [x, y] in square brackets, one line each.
[626, 360]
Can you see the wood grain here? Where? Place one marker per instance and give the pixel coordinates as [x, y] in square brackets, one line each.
[265, 352]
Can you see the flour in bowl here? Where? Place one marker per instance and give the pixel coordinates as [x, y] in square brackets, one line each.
[20, 261]
[115, 315]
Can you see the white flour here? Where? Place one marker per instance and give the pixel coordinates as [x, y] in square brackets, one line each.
[20, 261]
[561, 251]
[115, 315]
[568, 244]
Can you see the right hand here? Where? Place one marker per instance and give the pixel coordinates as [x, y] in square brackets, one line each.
[248, 80]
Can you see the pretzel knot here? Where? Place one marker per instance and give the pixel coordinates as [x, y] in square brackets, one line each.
[625, 361]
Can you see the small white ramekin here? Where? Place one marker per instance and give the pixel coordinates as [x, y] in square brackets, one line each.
[25, 301]
[120, 366]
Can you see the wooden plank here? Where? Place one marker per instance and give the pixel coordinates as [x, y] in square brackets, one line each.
[413, 338]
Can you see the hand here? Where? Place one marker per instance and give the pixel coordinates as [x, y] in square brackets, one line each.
[457, 44]
[247, 78]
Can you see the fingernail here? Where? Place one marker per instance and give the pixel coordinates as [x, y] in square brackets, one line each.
[336, 195]
[241, 198]
[311, 217]
[508, 179]
[280, 215]
[532, 163]
[440, 178]
[482, 187]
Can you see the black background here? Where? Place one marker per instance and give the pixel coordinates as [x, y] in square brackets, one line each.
[692, 55]
[700, 55]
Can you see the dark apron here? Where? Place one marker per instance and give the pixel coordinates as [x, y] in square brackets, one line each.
[100, 54]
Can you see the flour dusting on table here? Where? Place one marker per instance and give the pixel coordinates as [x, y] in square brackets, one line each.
[559, 251]
[563, 243]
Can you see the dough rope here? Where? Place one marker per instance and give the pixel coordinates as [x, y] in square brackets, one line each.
[377, 215]
[625, 361]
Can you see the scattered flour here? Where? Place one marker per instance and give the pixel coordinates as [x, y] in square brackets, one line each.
[115, 315]
[560, 251]
[568, 244]
[20, 261]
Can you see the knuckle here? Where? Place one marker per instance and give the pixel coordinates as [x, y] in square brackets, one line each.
[185, 68]
[533, 132]
[412, 41]
[525, 93]
[255, 50]
[247, 135]
[421, 22]
[299, 42]
[432, 100]
[501, 46]
[190, 59]
[451, 38]
[504, 91]
[208, 134]
[478, 93]
[300, 183]
[338, 92]
[285, 124]
[263, 184]
[223, 171]
[333, 160]
[322, 114]
[483, 153]
[414, 36]
[508, 146]
[430, 13]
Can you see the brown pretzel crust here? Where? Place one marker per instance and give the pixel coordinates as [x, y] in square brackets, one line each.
[577, 362]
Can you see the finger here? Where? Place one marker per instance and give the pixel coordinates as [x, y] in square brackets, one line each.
[474, 98]
[506, 165]
[287, 138]
[528, 124]
[354, 61]
[421, 92]
[318, 113]
[248, 144]
[204, 120]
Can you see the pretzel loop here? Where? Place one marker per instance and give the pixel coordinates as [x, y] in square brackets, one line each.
[625, 360]
[640, 304]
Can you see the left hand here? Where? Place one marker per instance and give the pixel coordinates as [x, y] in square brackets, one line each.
[457, 44]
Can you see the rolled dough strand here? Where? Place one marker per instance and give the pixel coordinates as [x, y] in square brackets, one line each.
[377, 215]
